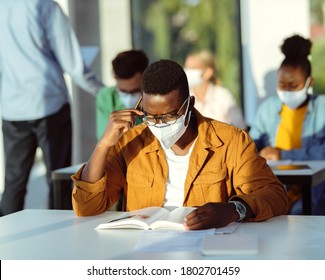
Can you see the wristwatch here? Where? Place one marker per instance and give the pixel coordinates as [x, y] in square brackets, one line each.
[240, 208]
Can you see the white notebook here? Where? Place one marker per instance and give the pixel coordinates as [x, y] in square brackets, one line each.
[229, 244]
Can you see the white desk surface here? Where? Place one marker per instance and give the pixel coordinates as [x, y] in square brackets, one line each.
[59, 234]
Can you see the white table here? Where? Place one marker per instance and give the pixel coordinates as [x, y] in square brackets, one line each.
[59, 234]
[307, 178]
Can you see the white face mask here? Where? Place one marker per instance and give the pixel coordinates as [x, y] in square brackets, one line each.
[293, 99]
[129, 99]
[168, 135]
[194, 77]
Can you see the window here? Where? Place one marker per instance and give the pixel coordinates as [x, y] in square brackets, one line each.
[317, 31]
[171, 29]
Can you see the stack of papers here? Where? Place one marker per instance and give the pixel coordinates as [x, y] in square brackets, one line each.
[233, 244]
[176, 241]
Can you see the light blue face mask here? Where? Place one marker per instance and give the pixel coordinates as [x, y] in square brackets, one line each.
[128, 99]
[293, 99]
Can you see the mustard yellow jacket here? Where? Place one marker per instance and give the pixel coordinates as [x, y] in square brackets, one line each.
[224, 164]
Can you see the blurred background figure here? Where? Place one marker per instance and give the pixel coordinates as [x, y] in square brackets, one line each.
[211, 99]
[291, 125]
[38, 44]
[128, 67]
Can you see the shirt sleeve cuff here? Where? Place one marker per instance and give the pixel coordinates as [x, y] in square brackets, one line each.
[95, 187]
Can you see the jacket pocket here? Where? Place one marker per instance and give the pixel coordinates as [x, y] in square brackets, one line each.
[211, 176]
[139, 188]
[211, 186]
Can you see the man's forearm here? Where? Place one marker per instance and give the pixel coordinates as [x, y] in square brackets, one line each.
[94, 169]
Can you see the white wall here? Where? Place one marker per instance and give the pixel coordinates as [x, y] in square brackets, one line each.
[2, 174]
[265, 23]
[115, 33]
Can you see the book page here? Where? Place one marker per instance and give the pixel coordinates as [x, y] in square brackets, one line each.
[174, 220]
[137, 219]
[126, 222]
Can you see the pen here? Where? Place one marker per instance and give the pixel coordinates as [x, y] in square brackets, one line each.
[130, 217]
[118, 219]
[138, 102]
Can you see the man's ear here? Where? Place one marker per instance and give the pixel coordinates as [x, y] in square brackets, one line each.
[192, 102]
[190, 108]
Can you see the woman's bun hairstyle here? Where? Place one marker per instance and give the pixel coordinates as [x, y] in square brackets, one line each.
[296, 46]
[296, 50]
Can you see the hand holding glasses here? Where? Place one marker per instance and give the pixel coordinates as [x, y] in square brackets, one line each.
[167, 119]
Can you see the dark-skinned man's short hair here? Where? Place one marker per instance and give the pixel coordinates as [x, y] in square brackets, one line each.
[127, 64]
[164, 76]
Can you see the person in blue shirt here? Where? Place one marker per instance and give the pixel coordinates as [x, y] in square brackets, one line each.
[38, 45]
[291, 125]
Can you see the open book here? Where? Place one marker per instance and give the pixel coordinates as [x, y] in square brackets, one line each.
[150, 218]
[158, 218]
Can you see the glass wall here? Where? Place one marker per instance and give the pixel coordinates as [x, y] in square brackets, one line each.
[317, 31]
[172, 28]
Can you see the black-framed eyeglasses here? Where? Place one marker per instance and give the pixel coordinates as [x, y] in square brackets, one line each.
[167, 119]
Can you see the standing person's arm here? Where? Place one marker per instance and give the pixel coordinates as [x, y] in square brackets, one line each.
[64, 44]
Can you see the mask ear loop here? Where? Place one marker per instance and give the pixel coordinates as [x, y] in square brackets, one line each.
[189, 116]
[308, 88]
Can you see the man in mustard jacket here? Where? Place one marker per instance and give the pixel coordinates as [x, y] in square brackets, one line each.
[177, 157]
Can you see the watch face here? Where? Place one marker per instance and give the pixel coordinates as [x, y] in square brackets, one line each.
[241, 209]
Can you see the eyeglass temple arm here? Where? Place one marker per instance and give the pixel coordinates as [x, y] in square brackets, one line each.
[138, 103]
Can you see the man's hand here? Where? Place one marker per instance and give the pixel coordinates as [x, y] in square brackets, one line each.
[211, 215]
[271, 153]
[119, 123]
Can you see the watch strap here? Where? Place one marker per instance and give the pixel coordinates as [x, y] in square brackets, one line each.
[240, 209]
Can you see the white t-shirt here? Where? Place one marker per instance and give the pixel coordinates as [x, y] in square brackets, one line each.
[177, 171]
